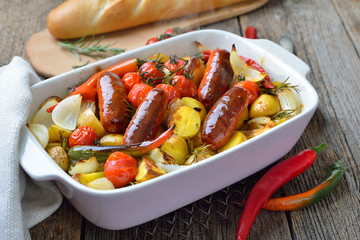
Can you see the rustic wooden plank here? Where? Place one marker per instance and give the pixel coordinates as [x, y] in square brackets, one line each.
[321, 37]
[64, 224]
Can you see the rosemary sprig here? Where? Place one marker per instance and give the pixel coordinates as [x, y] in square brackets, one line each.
[79, 66]
[279, 86]
[284, 114]
[131, 109]
[91, 48]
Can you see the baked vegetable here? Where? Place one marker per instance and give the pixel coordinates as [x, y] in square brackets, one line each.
[187, 121]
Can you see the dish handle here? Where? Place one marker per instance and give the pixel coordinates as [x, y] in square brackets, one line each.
[34, 159]
[292, 60]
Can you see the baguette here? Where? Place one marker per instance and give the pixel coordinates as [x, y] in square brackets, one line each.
[75, 18]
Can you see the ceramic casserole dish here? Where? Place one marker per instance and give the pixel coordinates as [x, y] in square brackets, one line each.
[129, 206]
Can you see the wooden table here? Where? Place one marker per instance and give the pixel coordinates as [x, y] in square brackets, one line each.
[326, 35]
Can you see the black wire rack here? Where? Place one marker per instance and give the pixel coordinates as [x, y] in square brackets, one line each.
[197, 220]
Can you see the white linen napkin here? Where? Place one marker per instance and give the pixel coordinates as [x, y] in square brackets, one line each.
[23, 201]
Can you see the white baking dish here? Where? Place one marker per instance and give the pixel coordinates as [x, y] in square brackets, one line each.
[130, 206]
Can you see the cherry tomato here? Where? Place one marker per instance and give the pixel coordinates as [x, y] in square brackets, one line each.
[151, 74]
[176, 65]
[252, 88]
[169, 31]
[84, 135]
[152, 40]
[251, 33]
[171, 91]
[130, 79]
[120, 169]
[186, 86]
[138, 93]
[167, 34]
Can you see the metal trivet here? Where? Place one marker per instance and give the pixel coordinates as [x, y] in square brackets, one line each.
[197, 220]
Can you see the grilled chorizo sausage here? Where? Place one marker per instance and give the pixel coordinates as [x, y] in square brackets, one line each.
[217, 77]
[222, 118]
[112, 94]
[147, 120]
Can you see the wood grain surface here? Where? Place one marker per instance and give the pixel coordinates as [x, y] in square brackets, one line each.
[326, 36]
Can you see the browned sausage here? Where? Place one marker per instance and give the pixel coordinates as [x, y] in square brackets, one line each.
[217, 77]
[222, 118]
[147, 120]
[112, 93]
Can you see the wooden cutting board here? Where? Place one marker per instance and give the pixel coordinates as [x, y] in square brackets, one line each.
[49, 59]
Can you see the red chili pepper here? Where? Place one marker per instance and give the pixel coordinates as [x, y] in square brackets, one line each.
[206, 55]
[251, 33]
[102, 152]
[252, 88]
[312, 196]
[267, 83]
[269, 183]
[88, 89]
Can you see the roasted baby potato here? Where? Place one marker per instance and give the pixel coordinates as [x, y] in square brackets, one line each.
[187, 121]
[236, 138]
[193, 103]
[111, 139]
[85, 166]
[259, 122]
[196, 141]
[54, 133]
[148, 170]
[176, 147]
[88, 118]
[159, 57]
[101, 184]
[196, 68]
[242, 120]
[160, 156]
[59, 155]
[200, 154]
[264, 106]
[172, 106]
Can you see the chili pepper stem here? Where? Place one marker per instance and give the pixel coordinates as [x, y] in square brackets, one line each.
[319, 148]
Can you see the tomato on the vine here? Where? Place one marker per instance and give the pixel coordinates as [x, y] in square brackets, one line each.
[130, 79]
[151, 41]
[175, 65]
[169, 31]
[120, 169]
[138, 93]
[186, 86]
[84, 135]
[170, 91]
[252, 88]
[150, 73]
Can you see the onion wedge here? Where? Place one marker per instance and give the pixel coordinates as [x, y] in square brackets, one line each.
[240, 68]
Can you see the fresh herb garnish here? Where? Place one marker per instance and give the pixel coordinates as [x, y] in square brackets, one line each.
[91, 48]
